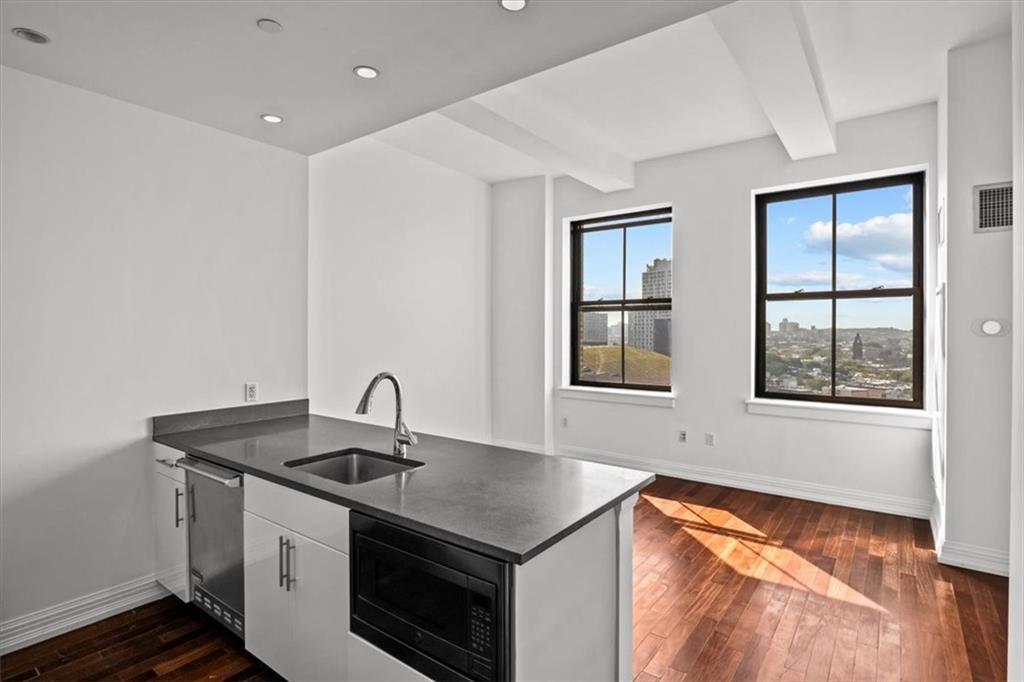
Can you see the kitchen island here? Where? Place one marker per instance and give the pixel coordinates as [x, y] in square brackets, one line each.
[561, 527]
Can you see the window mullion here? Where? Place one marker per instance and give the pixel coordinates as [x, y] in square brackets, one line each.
[835, 284]
[622, 312]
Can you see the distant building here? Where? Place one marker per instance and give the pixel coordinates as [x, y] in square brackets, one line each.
[595, 329]
[657, 283]
[858, 348]
[787, 327]
[617, 332]
[663, 336]
[767, 328]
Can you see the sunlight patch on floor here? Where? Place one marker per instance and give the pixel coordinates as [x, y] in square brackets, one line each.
[748, 551]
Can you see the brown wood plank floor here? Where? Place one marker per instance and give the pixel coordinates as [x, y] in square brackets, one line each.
[165, 639]
[728, 585]
[735, 585]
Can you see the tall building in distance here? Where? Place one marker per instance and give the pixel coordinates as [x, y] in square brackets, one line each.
[595, 329]
[617, 332]
[787, 327]
[657, 283]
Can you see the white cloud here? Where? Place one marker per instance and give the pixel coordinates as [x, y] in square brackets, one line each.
[816, 278]
[884, 240]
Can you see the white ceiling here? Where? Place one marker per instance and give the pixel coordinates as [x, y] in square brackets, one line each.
[206, 61]
[678, 88]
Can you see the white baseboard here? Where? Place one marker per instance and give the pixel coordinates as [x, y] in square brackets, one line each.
[803, 490]
[22, 631]
[974, 557]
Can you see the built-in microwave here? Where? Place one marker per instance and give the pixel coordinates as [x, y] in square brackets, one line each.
[442, 609]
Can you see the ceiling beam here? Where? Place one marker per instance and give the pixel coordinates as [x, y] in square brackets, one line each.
[771, 43]
[514, 118]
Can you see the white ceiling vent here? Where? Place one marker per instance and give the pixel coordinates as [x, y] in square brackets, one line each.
[993, 207]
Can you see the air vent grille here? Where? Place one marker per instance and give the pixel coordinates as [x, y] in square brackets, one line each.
[993, 207]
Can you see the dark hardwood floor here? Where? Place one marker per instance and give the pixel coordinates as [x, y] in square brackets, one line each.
[729, 585]
[165, 639]
[734, 585]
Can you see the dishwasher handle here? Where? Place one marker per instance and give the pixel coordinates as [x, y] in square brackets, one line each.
[225, 477]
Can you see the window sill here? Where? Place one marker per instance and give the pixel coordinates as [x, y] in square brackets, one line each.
[618, 395]
[852, 414]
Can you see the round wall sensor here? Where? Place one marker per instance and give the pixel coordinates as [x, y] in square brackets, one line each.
[991, 327]
[367, 72]
[269, 26]
[30, 35]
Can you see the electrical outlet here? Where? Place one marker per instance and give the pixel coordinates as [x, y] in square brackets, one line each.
[565, 422]
[710, 439]
[682, 436]
[252, 391]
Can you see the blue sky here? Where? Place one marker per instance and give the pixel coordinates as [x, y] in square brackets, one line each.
[875, 248]
[602, 259]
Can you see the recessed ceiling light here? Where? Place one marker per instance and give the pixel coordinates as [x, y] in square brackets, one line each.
[272, 118]
[269, 26]
[367, 72]
[513, 5]
[30, 35]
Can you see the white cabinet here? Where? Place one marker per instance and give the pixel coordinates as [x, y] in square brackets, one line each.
[367, 663]
[296, 602]
[170, 528]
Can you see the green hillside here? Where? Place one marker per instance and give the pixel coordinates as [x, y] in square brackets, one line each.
[603, 363]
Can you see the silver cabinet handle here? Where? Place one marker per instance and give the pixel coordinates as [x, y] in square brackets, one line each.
[280, 560]
[214, 473]
[192, 502]
[289, 547]
[178, 518]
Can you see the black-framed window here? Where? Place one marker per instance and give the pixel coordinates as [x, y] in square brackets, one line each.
[840, 308]
[622, 301]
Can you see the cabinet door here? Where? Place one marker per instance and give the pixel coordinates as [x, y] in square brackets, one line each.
[170, 531]
[298, 628]
[320, 610]
[367, 663]
[268, 621]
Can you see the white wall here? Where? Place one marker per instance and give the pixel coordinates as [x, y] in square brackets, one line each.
[520, 397]
[399, 280]
[710, 191]
[149, 265]
[980, 266]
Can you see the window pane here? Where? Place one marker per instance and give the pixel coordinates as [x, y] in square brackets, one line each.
[875, 348]
[799, 248]
[649, 261]
[875, 238]
[600, 358]
[798, 347]
[602, 265]
[649, 347]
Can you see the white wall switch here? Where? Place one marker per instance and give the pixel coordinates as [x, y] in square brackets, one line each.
[682, 436]
[710, 439]
[252, 391]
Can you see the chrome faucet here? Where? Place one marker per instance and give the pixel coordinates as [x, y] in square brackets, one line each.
[403, 436]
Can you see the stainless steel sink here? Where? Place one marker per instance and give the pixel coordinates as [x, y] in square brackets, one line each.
[353, 465]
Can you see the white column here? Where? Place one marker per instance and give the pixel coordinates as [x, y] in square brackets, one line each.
[624, 512]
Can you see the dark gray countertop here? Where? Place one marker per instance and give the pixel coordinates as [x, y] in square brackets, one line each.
[504, 503]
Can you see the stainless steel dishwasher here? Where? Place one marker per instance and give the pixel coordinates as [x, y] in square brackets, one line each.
[215, 546]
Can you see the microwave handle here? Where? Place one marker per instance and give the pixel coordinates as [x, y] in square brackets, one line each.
[209, 471]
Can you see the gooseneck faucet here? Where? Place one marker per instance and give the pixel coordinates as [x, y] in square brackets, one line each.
[403, 436]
